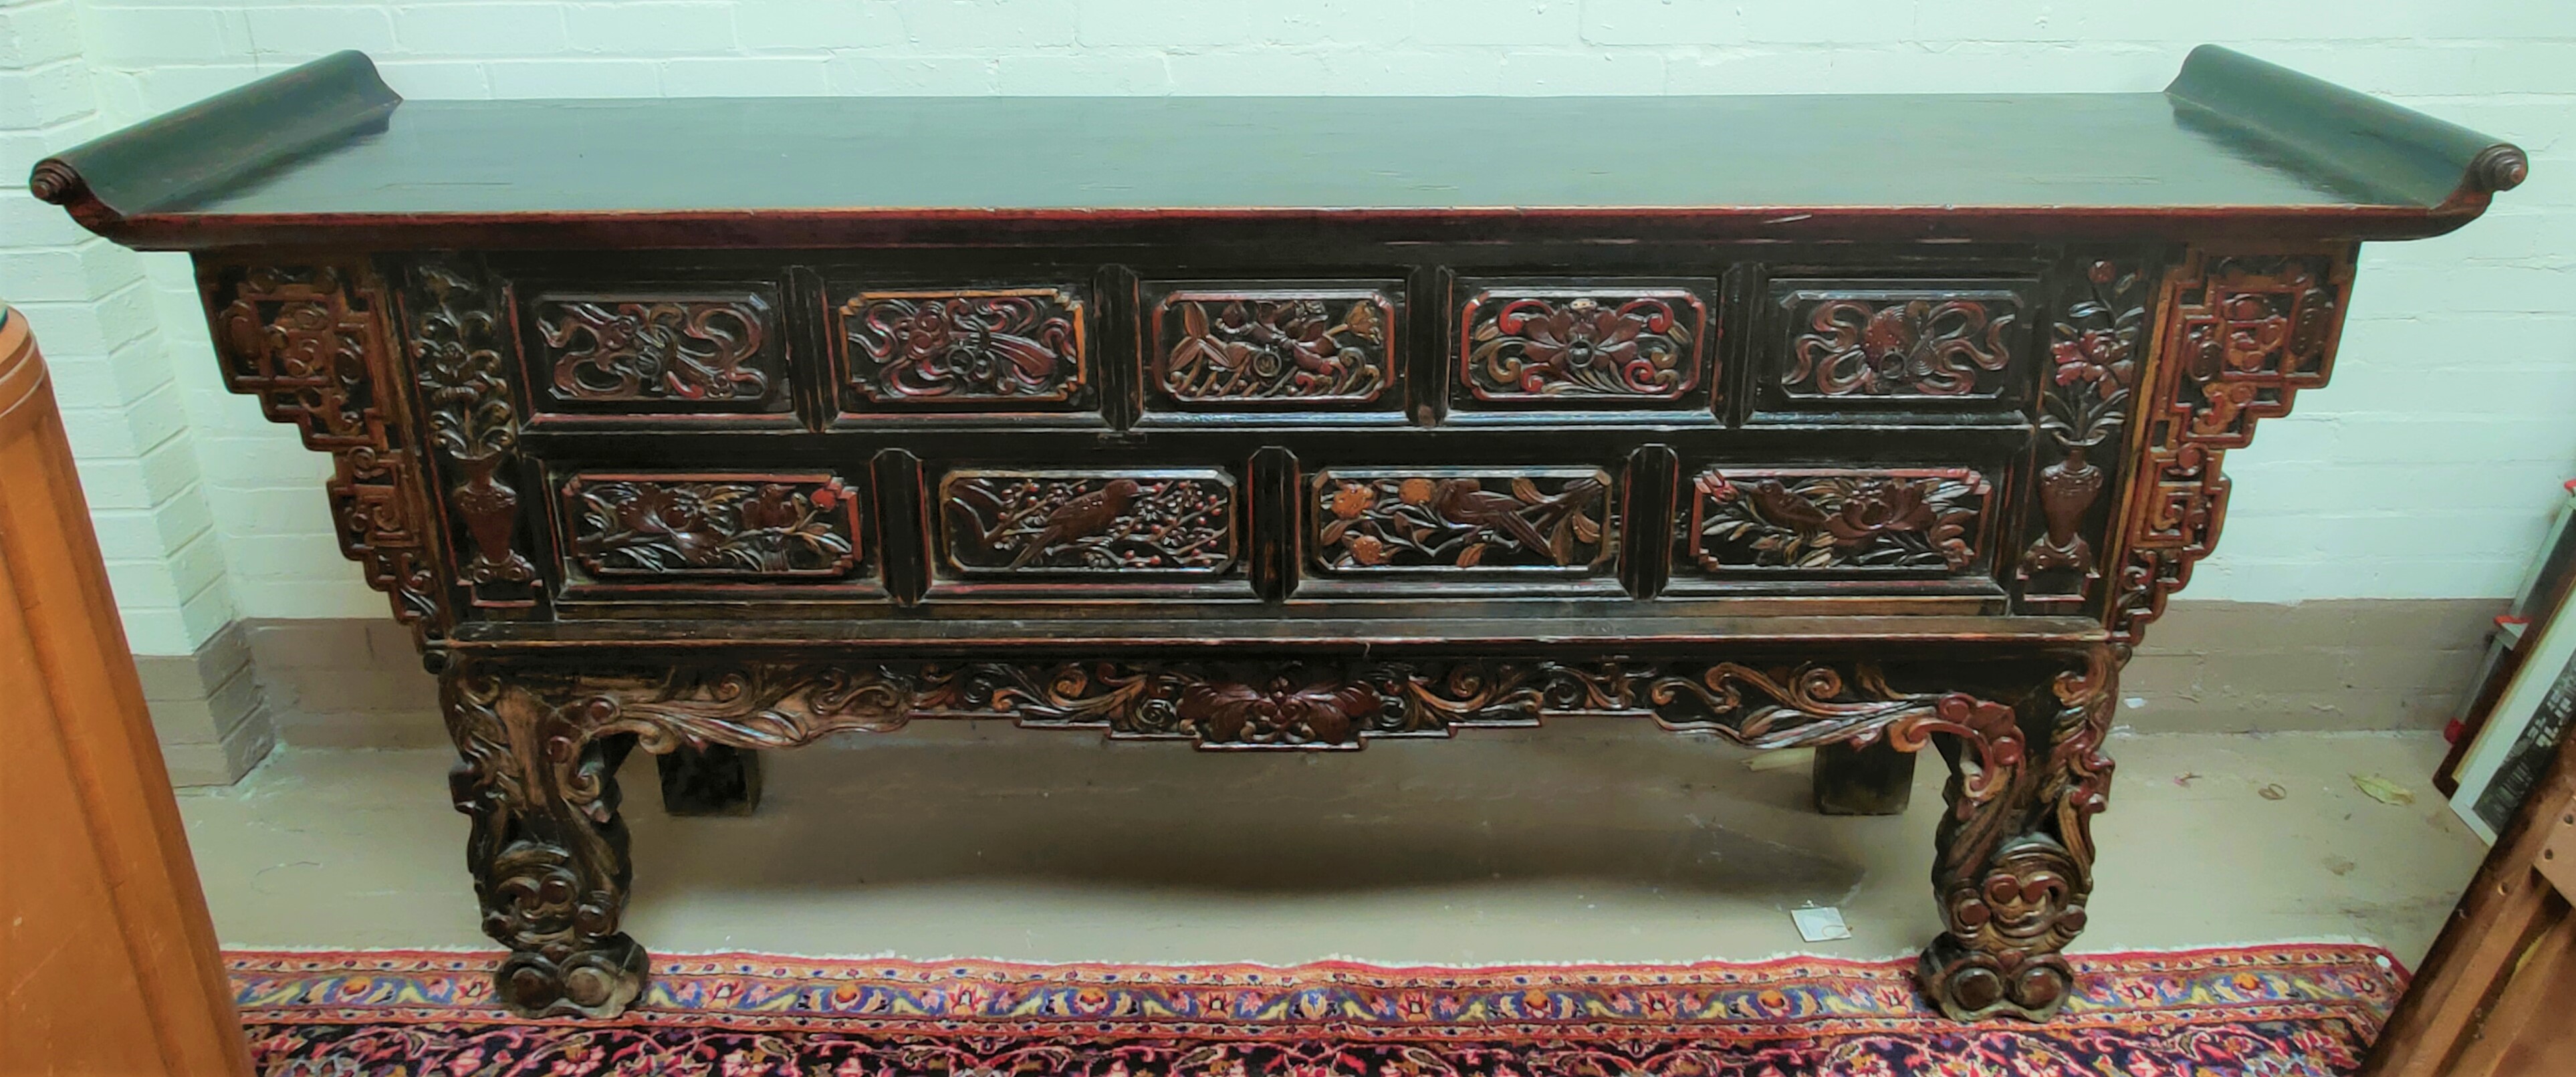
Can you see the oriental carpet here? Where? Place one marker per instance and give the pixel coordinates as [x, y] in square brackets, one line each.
[2276, 1010]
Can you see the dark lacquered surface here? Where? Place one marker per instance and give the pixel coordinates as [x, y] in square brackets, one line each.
[2070, 150]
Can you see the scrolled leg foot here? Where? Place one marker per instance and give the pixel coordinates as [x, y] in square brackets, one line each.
[597, 982]
[2016, 850]
[548, 850]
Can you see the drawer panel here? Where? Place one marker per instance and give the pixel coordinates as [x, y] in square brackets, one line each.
[1947, 345]
[1758, 523]
[662, 357]
[1461, 523]
[1219, 347]
[653, 531]
[1104, 526]
[1589, 346]
[963, 349]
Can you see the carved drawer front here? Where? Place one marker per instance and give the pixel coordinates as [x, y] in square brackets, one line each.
[1926, 345]
[1584, 347]
[1089, 526]
[655, 357]
[1460, 523]
[1016, 349]
[651, 532]
[1328, 347]
[1768, 523]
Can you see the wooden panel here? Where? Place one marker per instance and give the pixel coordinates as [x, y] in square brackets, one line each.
[1461, 523]
[1105, 525]
[1836, 522]
[107, 957]
[667, 356]
[647, 532]
[970, 349]
[1945, 345]
[1273, 347]
[1592, 345]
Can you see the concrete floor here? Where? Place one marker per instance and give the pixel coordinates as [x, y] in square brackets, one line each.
[1603, 842]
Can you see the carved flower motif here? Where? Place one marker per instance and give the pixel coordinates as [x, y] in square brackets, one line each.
[1879, 507]
[2097, 357]
[1581, 335]
[1416, 491]
[1365, 549]
[1353, 499]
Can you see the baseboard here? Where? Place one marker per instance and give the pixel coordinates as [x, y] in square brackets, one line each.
[209, 709]
[2339, 665]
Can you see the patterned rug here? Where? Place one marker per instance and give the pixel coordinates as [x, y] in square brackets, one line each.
[2269, 1010]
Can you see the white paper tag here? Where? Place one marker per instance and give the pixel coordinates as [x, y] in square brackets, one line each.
[1820, 924]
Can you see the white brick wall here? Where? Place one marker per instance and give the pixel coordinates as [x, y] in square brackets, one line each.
[100, 325]
[2427, 470]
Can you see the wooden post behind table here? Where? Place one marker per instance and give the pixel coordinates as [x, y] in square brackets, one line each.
[107, 957]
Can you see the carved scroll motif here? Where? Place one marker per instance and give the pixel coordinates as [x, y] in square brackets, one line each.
[1824, 519]
[1641, 345]
[1022, 345]
[1256, 347]
[685, 352]
[1875, 344]
[2241, 335]
[2014, 865]
[308, 342]
[1450, 520]
[715, 526]
[2095, 347]
[457, 359]
[1021, 522]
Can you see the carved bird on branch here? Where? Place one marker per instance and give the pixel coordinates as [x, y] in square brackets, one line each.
[1081, 517]
[1466, 502]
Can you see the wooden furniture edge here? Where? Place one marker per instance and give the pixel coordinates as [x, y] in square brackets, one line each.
[121, 969]
[2373, 143]
[260, 125]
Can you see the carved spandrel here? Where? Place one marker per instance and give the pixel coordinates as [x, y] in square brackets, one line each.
[1001, 348]
[2096, 346]
[660, 353]
[1931, 344]
[1091, 523]
[308, 341]
[2240, 335]
[747, 527]
[1583, 347]
[1447, 521]
[459, 363]
[1909, 521]
[1258, 347]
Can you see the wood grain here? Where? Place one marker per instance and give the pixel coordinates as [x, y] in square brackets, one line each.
[107, 956]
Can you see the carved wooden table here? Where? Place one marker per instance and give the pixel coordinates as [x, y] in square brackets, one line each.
[711, 425]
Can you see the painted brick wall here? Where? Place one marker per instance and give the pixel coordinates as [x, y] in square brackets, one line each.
[2426, 471]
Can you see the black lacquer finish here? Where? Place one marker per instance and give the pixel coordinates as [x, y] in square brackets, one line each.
[1429, 434]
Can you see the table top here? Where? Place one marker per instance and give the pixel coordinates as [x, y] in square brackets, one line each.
[2235, 141]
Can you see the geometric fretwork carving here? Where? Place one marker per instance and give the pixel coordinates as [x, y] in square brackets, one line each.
[2240, 336]
[309, 343]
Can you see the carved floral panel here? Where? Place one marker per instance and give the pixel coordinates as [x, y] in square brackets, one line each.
[646, 527]
[1002, 347]
[1902, 520]
[647, 352]
[1273, 346]
[1448, 520]
[1001, 523]
[1851, 341]
[1582, 346]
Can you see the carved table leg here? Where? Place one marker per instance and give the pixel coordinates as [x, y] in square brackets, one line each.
[548, 851]
[717, 780]
[1871, 779]
[2015, 860]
